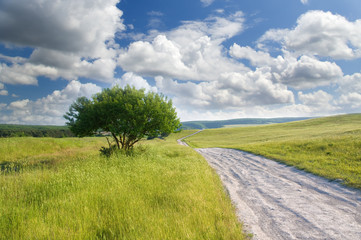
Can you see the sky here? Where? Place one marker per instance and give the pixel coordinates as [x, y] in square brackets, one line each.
[216, 59]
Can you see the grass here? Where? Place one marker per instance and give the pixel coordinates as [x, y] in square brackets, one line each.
[160, 191]
[329, 147]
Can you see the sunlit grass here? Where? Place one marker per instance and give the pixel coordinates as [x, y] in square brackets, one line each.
[330, 147]
[161, 191]
[23, 149]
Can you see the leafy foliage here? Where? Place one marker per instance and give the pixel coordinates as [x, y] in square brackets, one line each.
[128, 114]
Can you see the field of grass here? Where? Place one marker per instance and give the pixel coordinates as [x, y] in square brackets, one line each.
[63, 189]
[329, 147]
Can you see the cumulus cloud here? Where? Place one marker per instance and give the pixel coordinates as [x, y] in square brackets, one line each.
[19, 104]
[50, 109]
[134, 80]
[71, 26]
[350, 92]
[350, 83]
[319, 98]
[71, 39]
[191, 64]
[318, 103]
[25, 74]
[232, 91]
[308, 72]
[320, 33]
[351, 100]
[161, 56]
[193, 51]
[256, 58]
[300, 73]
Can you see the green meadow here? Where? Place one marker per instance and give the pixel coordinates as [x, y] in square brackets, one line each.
[329, 147]
[63, 189]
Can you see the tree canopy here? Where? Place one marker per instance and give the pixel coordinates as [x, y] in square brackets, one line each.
[128, 114]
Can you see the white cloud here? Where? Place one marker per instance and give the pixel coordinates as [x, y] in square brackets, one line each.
[72, 26]
[71, 39]
[192, 51]
[350, 90]
[232, 91]
[155, 19]
[350, 83]
[351, 100]
[191, 65]
[13, 59]
[302, 73]
[320, 33]
[207, 2]
[304, 1]
[288, 110]
[308, 72]
[319, 98]
[25, 74]
[3, 92]
[159, 57]
[134, 80]
[19, 104]
[50, 109]
[256, 58]
[219, 11]
[155, 13]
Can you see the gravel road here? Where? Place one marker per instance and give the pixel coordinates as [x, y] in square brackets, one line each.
[279, 202]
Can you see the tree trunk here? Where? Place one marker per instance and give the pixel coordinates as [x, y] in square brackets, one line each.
[116, 140]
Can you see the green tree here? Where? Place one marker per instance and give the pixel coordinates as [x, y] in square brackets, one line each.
[128, 114]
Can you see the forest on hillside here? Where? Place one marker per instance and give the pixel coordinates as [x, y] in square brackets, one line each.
[12, 130]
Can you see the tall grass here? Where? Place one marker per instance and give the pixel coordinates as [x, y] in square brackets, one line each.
[160, 191]
[329, 147]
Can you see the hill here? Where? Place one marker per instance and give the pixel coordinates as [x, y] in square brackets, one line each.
[234, 122]
[328, 146]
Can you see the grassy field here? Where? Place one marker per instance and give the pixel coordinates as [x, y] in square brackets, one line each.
[63, 189]
[329, 147]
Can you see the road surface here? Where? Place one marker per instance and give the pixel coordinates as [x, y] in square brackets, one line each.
[276, 201]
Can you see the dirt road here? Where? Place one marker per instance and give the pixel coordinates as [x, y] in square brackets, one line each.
[279, 202]
[180, 141]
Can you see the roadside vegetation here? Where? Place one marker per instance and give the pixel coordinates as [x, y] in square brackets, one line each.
[64, 189]
[329, 147]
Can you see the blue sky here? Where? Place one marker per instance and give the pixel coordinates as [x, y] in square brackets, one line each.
[216, 59]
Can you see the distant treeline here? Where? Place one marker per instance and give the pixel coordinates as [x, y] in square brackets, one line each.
[240, 121]
[10, 130]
